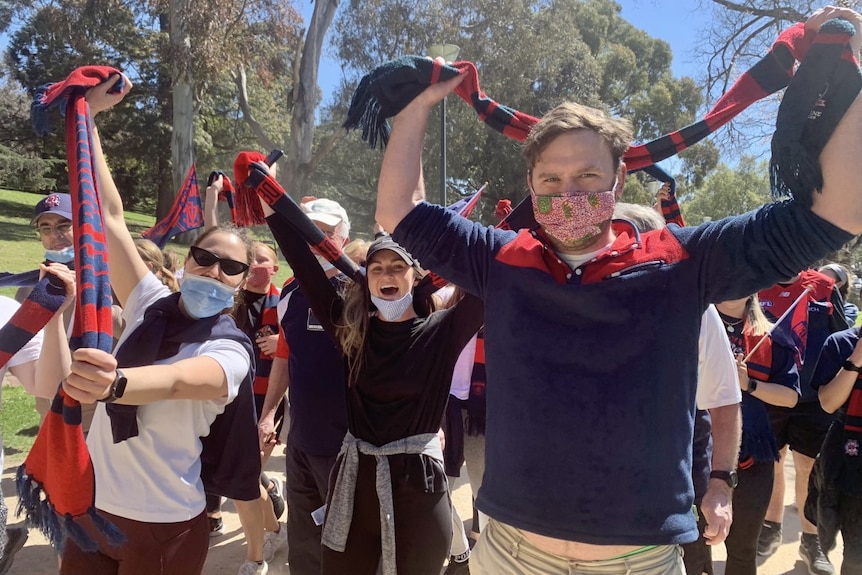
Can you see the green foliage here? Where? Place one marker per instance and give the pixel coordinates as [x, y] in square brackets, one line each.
[728, 192]
[49, 38]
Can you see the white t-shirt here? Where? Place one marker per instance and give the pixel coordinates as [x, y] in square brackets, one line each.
[717, 378]
[462, 375]
[155, 477]
[30, 352]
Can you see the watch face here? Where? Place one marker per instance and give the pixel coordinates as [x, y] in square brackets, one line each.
[729, 477]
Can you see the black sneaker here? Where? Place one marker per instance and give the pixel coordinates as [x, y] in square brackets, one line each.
[456, 568]
[770, 538]
[16, 537]
[276, 498]
[216, 526]
[813, 556]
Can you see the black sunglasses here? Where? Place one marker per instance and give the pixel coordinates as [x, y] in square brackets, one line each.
[206, 258]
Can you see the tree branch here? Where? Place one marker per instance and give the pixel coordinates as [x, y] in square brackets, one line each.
[242, 92]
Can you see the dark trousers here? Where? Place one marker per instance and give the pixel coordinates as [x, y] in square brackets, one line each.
[750, 500]
[150, 549]
[850, 513]
[305, 490]
[697, 556]
[423, 530]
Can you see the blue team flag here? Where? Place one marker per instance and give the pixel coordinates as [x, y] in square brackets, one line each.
[465, 206]
[791, 329]
[186, 214]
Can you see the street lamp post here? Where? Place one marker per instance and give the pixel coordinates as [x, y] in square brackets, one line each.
[449, 52]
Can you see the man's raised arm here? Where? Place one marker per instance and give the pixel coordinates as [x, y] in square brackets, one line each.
[401, 185]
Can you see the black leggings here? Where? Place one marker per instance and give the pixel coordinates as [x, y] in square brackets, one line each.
[423, 531]
[750, 500]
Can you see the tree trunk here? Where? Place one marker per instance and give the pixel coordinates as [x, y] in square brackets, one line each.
[182, 138]
[299, 153]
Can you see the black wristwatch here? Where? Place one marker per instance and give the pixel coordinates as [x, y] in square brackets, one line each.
[118, 388]
[849, 366]
[729, 477]
[752, 385]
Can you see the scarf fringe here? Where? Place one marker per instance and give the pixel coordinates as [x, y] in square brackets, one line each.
[758, 441]
[40, 111]
[365, 114]
[247, 210]
[40, 514]
[793, 173]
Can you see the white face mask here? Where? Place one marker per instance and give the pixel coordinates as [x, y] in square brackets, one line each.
[324, 263]
[392, 310]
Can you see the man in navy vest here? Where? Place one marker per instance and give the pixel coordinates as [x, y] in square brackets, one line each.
[311, 367]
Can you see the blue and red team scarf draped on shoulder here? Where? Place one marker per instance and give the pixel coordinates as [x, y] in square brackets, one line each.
[268, 318]
[185, 215]
[56, 484]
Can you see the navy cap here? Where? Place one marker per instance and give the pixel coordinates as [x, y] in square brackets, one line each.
[387, 243]
[60, 204]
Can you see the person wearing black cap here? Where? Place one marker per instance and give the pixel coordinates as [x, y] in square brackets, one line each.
[388, 502]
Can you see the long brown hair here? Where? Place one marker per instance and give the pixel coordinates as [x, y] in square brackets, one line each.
[352, 330]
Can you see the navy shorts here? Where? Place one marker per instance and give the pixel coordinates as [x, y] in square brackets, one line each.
[803, 427]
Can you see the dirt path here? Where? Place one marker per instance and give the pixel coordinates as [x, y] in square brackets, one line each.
[228, 551]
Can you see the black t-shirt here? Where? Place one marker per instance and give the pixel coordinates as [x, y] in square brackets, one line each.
[403, 386]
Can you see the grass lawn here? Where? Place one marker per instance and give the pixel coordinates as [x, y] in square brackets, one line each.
[19, 422]
[20, 251]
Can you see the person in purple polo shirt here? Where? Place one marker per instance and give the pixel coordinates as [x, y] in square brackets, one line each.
[590, 402]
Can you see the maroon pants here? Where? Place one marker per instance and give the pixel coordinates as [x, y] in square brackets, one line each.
[150, 549]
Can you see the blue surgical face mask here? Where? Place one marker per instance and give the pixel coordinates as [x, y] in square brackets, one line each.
[63, 256]
[204, 297]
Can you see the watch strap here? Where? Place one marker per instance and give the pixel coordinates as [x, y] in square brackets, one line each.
[850, 366]
[118, 387]
[729, 477]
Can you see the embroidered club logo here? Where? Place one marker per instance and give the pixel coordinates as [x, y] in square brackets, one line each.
[52, 201]
[851, 448]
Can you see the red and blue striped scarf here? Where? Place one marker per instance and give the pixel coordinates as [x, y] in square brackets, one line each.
[56, 484]
[39, 307]
[268, 318]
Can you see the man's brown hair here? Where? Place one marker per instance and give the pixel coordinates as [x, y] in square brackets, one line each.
[569, 116]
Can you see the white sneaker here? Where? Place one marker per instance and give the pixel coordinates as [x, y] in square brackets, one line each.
[274, 541]
[252, 568]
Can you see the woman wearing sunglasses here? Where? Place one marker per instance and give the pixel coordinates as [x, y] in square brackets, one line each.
[388, 501]
[179, 364]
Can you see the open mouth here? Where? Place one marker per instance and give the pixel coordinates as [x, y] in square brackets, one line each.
[388, 290]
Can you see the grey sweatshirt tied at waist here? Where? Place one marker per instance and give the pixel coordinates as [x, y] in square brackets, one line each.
[340, 511]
